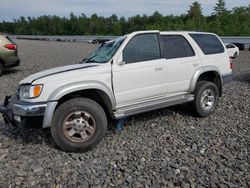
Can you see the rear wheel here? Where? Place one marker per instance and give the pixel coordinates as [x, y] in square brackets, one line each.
[206, 98]
[1, 68]
[78, 125]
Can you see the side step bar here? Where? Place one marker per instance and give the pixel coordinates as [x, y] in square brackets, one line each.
[152, 105]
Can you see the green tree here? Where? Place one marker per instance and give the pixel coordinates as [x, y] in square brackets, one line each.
[223, 22]
[195, 14]
[195, 11]
[220, 8]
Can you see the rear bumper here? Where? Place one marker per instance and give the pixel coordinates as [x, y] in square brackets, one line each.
[17, 112]
[227, 78]
[14, 64]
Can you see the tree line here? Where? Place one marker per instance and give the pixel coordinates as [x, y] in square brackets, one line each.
[235, 22]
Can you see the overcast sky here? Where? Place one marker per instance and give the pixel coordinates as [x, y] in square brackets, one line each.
[10, 9]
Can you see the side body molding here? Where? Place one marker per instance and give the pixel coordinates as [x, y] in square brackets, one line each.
[199, 71]
[70, 88]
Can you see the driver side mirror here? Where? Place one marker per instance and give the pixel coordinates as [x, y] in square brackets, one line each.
[120, 60]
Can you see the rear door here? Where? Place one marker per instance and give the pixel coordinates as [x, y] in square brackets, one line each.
[181, 62]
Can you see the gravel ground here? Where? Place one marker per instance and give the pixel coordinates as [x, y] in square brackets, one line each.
[163, 148]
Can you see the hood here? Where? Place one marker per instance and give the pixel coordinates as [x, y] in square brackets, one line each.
[57, 70]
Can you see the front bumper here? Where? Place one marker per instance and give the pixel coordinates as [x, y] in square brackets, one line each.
[17, 112]
[13, 64]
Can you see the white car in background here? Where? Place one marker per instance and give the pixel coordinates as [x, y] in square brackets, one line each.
[232, 50]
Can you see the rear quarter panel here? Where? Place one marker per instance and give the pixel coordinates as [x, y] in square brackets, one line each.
[7, 56]
[219, 60]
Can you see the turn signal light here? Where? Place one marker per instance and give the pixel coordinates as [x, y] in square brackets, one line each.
[37, 90]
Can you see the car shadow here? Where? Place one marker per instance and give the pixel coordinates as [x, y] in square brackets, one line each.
[181, 109]
[244, 78]
[11, 71]
[26, 134]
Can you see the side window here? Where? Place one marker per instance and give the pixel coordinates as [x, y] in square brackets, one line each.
[176, 46]
[229, 46]
[142, 48]
[209, 44]
[232, 46]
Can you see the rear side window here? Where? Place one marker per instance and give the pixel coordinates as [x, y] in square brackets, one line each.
[10, 39]
[209, 44]
[176, 46]
[142, 48]
[230, 46]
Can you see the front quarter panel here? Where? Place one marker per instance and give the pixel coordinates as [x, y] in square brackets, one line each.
[67, 89]
[79, 86]
[69, 81]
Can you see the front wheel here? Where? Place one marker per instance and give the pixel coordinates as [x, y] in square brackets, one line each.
[206, 98]
[78, 124]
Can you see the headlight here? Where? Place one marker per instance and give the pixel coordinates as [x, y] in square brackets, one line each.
[30, 91]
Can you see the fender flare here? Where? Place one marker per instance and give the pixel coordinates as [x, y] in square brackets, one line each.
[70, 88]
[200, 71]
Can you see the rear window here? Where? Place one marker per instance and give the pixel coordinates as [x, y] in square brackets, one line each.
[10, 39]
[176, 46]
[209, 44]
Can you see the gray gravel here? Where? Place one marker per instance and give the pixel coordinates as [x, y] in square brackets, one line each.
[163, 148]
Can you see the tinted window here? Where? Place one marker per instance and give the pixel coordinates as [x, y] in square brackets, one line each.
[230, 46]
[209, 44]
[10, 39]
[142, 48]
[176, 46]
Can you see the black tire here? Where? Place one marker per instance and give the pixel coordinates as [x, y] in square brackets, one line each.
[198, 106]
[1, 69]
[75, 105]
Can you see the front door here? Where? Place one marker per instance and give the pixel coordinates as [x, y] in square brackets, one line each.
[142, 76]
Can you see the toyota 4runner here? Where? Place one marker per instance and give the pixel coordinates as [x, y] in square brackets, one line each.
[135, 73]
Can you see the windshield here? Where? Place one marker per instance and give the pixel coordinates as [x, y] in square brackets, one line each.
[105, 52]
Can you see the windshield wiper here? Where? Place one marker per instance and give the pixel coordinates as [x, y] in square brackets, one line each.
[88, 60]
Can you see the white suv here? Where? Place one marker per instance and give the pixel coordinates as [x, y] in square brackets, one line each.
[139, 72]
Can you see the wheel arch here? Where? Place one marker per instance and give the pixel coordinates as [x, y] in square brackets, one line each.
[207, 73]
[95, 90]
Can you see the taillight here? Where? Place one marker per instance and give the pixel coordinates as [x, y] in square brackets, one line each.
[231, 63]
[10, 46]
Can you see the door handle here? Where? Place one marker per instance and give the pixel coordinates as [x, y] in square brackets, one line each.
[159, 68]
